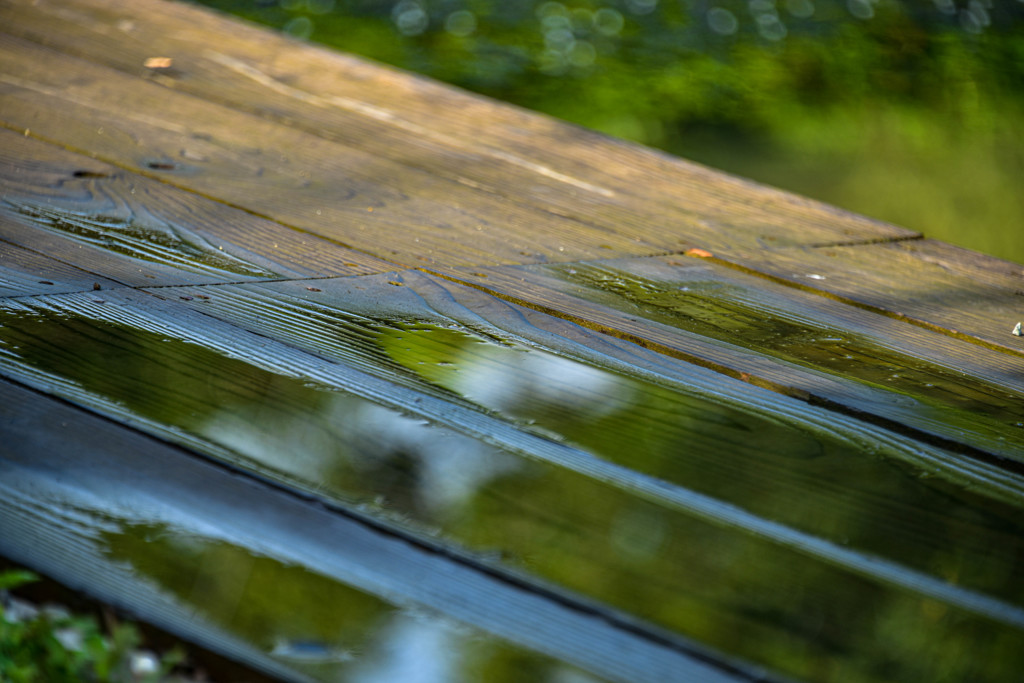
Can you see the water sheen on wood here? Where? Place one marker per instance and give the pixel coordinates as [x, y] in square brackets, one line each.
[321, 364]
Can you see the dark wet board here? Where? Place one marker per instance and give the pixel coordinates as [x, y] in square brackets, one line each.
[321, 592]
[790, 341]
[925, 282]
[387, 430]
[30, 272]
[363, 340]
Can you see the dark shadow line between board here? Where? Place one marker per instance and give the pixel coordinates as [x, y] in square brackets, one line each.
[615, 620]
[990, 607]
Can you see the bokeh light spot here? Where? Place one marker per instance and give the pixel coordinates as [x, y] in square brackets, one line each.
[722, 21]
[299, 27]
[460, 23]
[608, 21]
[410, 18]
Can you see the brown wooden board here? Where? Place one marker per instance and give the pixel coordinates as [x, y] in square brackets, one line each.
[615, 189]
[340, 193]
[477, 144]
[139, 231]
[299, 591]
[787, 340]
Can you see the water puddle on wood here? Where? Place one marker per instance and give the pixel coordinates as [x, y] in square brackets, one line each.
[258, 604]
[158, 242]
[314, 624]
[697, 517]
[701, 302]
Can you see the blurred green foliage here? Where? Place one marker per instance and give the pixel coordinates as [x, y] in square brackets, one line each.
[50, 647]
[906, 110]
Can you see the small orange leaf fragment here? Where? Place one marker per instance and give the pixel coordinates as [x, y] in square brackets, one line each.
[699, 253]
[158, 63]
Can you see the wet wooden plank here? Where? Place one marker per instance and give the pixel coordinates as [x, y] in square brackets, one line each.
[131, 516]
[925, 282]
[24, 272]
[365, 415]
[619, 196]
[139, 231]
[789, 341]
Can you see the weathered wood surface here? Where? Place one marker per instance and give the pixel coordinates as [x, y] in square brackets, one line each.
[614, 190]
[140, 231]
[315, 327]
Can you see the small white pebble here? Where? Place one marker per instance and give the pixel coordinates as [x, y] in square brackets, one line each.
[143, 663]
[71, 638]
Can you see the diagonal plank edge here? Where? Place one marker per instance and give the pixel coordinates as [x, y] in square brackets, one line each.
[142, 232]
[606, 405]
[387, 114]
[938, 286]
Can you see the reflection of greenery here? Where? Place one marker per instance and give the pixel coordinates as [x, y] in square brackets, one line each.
[905, 110]
[737, 593]
[258, 599]
[313, 623]
[817, 480]
[728, 313]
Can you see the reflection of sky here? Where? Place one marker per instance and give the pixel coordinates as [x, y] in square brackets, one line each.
[349, 431]
[416, 648]
[502, 380]
[452, 466]
[411, 650]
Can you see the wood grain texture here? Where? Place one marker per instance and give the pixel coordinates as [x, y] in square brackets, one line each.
[24, 272]
[616, 190]
[313, 321]
[342, 194]
[448, 355]
[638, 201]
[139, 231]
[786, 340]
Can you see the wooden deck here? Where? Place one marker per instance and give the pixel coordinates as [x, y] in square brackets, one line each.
[326, 366]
